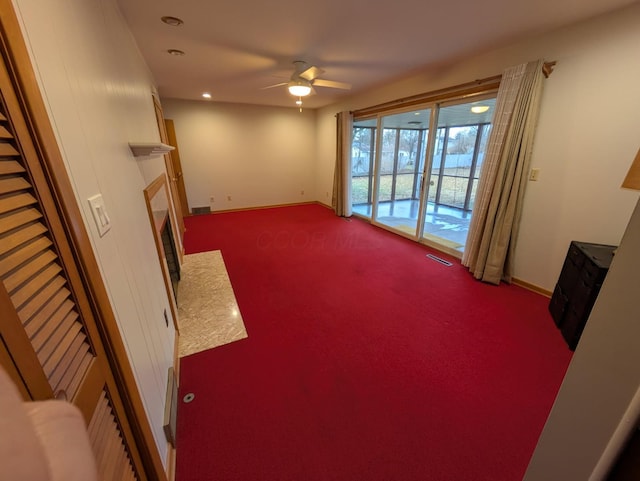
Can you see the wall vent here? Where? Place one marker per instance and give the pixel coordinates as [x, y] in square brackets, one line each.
[201, 210]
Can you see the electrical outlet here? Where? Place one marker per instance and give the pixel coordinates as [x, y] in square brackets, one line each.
[534, 174]
[212, 199]
[302, 192]
[228, 197]
[327, 193]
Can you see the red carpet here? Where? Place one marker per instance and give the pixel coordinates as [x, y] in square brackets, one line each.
[365, 360]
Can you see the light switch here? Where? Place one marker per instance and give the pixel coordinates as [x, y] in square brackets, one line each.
[100, 216]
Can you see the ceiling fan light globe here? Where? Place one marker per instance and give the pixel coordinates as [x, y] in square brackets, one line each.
[299, 89]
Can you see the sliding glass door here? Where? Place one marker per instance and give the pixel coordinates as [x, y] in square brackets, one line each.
[459, 147]
[444, 143]
[363, 153]
[400, 169]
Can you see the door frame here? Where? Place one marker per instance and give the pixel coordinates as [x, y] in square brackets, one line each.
[18, 63]
[177, 167]
[174, 198]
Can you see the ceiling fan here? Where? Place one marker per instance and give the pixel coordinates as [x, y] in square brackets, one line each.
[304, 78]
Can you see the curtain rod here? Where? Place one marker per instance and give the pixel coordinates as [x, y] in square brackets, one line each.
[475, 87]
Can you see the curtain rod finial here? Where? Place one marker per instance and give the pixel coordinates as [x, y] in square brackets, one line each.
[547, 68]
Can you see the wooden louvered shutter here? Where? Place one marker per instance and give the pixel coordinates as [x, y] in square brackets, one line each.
[46, 320]
[33, 278]
[111, 456]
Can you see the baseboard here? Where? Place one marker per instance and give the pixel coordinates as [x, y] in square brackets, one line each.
[171, 463]
[531, 287]
[258, 207]
[240, 209]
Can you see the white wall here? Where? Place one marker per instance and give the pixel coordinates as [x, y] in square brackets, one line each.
[258, 155]
[98, 93]
[586, 139]
[602, 378]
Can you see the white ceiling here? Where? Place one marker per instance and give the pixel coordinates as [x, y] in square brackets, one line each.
[234, 48]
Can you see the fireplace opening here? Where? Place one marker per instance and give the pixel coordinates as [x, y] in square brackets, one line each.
[171, 255]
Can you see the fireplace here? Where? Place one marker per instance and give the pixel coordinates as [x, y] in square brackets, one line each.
[168, 243]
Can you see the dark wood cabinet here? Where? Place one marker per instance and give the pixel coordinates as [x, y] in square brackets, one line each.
[583, 272]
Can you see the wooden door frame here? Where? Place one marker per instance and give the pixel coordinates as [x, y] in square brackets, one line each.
[18, 63]
[174, 198]
[177, 166]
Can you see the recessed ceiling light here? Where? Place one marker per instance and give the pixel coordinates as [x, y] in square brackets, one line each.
[176, 52]
[479, 109]
[417, 113]
[173, 21]
[206, 95]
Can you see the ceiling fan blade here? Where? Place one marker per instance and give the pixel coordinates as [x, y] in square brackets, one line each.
[275, 85]
[311, 73]
[331, 84]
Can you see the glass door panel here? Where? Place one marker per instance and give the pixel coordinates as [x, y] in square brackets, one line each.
[391, 155]
[363, 153]
[460, 143]
[400, 167]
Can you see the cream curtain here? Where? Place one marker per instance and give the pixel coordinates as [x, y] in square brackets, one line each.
[493, 230]
[341, 200]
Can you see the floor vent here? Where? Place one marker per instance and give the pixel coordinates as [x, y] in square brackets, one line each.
[201, 210]
[438, 259]
[171, 408]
